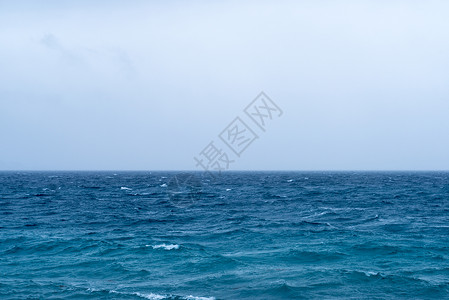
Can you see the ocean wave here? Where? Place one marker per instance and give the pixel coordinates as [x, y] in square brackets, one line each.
[374, 248]
[165, 246]
[302, 256]
[352, 241]
[282, 290]
[91, 187]
[153, 296]
[361, 275]
[313, 223]
[199, 298]
[150, 296]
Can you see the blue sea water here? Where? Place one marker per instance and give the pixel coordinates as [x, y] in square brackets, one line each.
[241, 235]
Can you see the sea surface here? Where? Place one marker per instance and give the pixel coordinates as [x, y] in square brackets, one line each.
[236, 235]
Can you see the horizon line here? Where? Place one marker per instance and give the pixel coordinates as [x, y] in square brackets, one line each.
[226, 171]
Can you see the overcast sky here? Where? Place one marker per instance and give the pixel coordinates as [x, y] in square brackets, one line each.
[141, 85]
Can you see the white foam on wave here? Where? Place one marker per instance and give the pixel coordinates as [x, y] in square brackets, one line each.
[227, 190]
[164, 185]
[368, 273]
[150, 296]
[290, 180]
[125, 188]
[165, 246]
[199, 298]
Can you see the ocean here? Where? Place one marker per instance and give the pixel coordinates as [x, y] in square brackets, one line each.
[236, 235]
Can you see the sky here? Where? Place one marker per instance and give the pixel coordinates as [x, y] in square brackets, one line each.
[148, 85]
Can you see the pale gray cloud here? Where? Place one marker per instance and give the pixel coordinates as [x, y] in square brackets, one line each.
[147, 85]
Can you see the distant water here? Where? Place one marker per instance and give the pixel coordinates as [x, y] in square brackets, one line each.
[243, 235]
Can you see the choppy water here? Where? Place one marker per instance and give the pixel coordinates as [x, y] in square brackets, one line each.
[243, 235]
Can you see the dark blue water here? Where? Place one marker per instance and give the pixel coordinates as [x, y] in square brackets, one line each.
[241, 235]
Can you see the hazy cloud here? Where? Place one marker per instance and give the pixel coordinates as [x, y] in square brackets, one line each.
[147, 85]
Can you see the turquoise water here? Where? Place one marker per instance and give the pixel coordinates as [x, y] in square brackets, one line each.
[242, 235]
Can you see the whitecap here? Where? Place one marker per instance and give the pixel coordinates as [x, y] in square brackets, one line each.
[372, 273]
[150, 296]
[125, 188]
[199, 298]
[166, 247]
[369, 273]
[164, 185]
[227, 190]
[290, 180]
